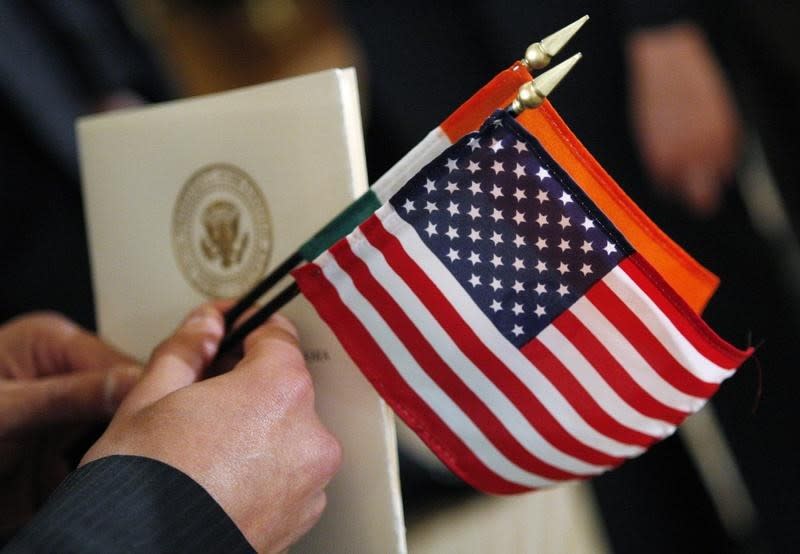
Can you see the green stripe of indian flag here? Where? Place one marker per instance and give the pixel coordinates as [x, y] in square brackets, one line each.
[384, 188]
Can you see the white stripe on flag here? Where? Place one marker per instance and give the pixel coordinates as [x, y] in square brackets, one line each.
[509, 354]
[664, 330]
[629, 358]
[598, 388]
[505, 411]
[409, 165]
[419, 381]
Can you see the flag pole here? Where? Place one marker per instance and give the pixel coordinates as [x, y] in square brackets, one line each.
[539, 54]
[533, 93]
[238, 334]
[261, 289]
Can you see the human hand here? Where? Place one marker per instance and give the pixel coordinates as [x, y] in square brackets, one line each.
[684, 117]
[250, 437]
[54, 378]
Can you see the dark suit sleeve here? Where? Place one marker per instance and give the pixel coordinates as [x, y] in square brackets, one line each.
[130, 504]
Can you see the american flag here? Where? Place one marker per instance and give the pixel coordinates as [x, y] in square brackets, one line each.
[508, 322]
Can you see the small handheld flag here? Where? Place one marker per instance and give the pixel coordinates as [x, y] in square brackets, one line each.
[509, 323]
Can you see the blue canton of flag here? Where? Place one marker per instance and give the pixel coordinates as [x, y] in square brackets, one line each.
[495, 214]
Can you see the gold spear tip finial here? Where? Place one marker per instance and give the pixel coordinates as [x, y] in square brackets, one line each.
[533, 93]
[539, 54]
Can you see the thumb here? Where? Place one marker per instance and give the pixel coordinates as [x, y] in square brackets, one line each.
[77, 397]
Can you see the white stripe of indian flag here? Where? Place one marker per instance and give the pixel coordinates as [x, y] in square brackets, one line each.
[384, 188]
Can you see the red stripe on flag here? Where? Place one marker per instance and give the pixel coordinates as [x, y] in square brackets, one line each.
[379, 370]
[474, 348]
[436, 368]
[646, 343]
[612, 371]
[696, 331]
[579, 397]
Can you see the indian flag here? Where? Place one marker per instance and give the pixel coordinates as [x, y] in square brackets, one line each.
[694, 283]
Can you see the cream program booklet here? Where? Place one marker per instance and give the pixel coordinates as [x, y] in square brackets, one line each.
[200, 197]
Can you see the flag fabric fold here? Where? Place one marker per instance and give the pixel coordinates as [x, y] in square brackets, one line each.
[510, 323]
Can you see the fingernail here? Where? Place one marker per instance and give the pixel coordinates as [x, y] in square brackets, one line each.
[119, 382]
[205, 319]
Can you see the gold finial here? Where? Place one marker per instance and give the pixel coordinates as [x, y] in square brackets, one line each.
[539, 54]
[533, 93]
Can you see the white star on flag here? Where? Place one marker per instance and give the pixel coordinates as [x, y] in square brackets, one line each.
[452, 208]
[497, 261]
[541, 196]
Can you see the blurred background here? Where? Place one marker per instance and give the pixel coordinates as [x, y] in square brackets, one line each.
[691, 106]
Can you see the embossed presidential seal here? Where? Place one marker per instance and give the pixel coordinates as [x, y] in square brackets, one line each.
[221, 231]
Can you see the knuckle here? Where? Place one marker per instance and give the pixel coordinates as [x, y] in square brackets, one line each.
[274, 350]
[277, 329]
[332, 454]
[49, 323]
[317, 507]
[329, 456]
[48, 317]
[163, 348]
[296, 385]
[283, 322]
[280, 365]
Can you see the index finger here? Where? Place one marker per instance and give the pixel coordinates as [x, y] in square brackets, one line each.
[180, 360]
[275, 344]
